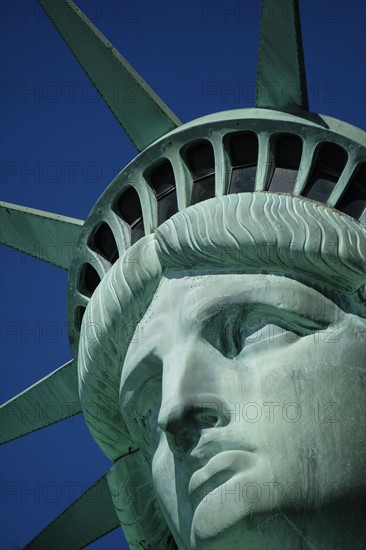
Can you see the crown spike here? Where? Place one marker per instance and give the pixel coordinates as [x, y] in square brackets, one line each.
[87, 519]
[142, 114]
[27, 412]
[43, 235]
[281, 78]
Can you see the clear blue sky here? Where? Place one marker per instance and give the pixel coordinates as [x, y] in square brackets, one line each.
[180, 48]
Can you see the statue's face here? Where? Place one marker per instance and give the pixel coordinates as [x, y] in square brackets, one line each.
[249, 391]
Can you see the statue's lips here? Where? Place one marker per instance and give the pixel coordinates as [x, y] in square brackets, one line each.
[220, 468]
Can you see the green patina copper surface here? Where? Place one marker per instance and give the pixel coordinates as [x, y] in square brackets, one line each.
[43, 235]
[50, 400]
[239, 301]
[281, 79]
[188, 256]
[82, 522]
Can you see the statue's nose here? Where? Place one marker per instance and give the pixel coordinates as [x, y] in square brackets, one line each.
[183, 423]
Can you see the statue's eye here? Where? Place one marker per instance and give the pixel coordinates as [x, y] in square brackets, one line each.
[225, 331]
[232, 328]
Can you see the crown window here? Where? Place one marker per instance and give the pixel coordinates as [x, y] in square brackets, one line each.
[287, 152]
[89, 280]
[353, 201]
[330, 162]
[243, 152]
[161, 180]
[128, 207]
[201, 163]
[102, 241]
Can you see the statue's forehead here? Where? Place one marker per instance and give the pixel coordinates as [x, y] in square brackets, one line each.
[196, 297]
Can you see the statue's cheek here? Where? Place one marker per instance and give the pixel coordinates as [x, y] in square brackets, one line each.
[315, 417]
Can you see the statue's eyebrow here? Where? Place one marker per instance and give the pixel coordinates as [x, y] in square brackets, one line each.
[258, 314]
[314, 306]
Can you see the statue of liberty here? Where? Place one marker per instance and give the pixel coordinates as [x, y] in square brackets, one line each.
[217, 314]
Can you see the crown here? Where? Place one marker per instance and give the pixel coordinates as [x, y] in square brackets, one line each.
[243, 151]
[277, 147]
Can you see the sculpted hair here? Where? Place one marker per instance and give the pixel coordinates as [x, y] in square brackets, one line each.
[245, 233]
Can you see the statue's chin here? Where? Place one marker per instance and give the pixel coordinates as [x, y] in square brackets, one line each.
[267, 531]
[221, 518]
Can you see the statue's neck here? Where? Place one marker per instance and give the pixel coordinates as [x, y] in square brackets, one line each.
[339, 526]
